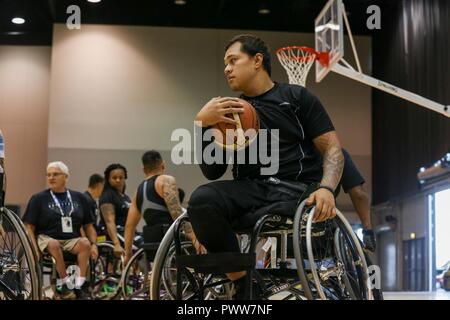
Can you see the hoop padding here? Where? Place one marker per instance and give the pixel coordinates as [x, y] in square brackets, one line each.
[298, 60]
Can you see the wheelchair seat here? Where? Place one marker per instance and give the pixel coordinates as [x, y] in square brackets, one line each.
[47, 259]
[283, 211]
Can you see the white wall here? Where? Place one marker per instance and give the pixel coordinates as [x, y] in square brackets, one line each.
[24, 92]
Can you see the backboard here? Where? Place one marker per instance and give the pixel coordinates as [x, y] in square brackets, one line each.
[329, 36]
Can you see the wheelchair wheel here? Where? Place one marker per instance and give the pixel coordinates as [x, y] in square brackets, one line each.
[329, 266]
[135, 283]
[342, 248]
[107, 272]
[163, 284]
[19, 273]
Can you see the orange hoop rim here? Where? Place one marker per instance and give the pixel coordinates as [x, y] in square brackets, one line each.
[323, 57]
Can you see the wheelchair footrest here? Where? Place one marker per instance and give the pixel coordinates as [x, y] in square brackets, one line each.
[217, 263]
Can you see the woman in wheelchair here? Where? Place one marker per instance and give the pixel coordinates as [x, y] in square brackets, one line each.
[114, 205]
[53, 219]
[306, 136]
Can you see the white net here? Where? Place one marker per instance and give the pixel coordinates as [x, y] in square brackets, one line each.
[297, 61]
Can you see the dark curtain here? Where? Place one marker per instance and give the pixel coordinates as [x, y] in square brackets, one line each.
[411, 51]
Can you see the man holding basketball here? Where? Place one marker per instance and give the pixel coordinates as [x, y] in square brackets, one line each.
[306, 136]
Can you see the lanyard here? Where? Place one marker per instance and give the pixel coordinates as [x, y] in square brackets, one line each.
[55, 199]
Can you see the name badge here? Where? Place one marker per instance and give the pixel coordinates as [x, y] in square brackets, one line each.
[66, 224]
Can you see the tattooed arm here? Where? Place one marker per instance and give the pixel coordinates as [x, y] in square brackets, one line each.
[333, 159]
[333, 164]
[109, 215]
[167, 188]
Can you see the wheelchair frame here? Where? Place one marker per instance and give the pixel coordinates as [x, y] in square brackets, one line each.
[29, 254]
[297, 286]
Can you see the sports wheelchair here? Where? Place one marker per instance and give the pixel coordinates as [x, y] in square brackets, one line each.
[136, 276]
[108, 269]
[19, 278]
[322, 260]
[103, 274]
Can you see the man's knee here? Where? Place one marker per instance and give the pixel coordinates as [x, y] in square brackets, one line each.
[53, 246]
[83, 245]
[205, 204]
[203, 195]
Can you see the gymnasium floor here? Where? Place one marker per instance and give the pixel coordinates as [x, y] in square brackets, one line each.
[437, 295]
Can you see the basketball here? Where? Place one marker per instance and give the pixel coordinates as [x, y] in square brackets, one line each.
[238, 136]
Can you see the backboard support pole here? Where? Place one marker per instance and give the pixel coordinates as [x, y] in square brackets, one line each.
[389, 88]
[349, 72]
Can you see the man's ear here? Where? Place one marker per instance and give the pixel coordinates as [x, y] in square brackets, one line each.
[258, 60]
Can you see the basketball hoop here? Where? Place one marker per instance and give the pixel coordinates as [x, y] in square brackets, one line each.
[298, 60]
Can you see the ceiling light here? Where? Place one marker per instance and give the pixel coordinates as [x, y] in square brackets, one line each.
[264, 9]
[180, 2]
[18, 20]
[94, 1]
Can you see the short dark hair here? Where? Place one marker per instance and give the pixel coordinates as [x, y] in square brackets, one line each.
[151, 160]
[95, 179]
[252, 45]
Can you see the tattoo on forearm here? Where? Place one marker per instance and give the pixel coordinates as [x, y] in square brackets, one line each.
[333, 160]
[107, 210]
[109, 215]
[170, 194]
[333, 164]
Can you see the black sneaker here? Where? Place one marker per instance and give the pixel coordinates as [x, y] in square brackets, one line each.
[84, 293]
[65, 293]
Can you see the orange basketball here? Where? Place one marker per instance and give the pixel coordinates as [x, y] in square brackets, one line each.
[241, 135]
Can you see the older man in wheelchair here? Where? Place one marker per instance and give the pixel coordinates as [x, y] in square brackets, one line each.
[53, 219]
[297, 199]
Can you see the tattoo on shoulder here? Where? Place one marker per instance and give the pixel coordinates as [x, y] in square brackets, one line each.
[170, 195]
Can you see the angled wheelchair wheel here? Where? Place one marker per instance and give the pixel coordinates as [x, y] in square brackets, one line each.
[343, 253]
[19, 273]
[330, 261]
[163, 284]
[135, 282]
[106, 273]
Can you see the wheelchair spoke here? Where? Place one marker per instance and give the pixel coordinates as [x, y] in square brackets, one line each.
[15, 273]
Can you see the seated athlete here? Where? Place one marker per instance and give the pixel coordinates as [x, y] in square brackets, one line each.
[156, 199]
[308, 151]
[53, 219]
[114, 204]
